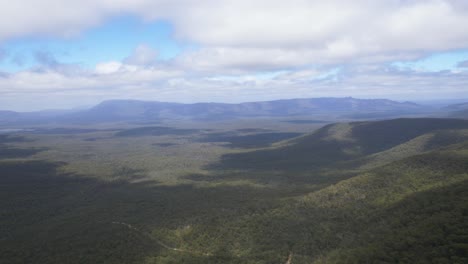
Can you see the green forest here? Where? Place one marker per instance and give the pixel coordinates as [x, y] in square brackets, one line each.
[391, 191]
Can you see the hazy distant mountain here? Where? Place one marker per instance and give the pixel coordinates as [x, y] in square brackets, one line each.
[38, 117]
[457, 110]
[121, 110]
[8, 115]
[134, 110]
[457, 107]
[460, 114]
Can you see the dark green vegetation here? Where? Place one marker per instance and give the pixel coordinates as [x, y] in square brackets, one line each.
[393, 191]
[460, 114]
[334, 144]
[10, 152]
[48, 217]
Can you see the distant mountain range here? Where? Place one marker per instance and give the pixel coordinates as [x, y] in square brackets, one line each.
[145, 111]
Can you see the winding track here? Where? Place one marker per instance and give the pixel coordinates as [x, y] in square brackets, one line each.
[159, 242]
[289, 261]
[162, 244]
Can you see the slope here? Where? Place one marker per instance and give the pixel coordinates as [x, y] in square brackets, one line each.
[342, 145]
[412, 210]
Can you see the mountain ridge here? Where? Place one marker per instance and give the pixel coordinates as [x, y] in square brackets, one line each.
[136, 110]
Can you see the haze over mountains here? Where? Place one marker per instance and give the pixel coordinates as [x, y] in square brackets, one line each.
[134, 110]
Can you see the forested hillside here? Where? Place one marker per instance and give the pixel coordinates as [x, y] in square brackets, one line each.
[392, 191]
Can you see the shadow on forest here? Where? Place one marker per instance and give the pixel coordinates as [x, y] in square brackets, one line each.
[307, 159]
[308, 153]
[49, 217]
[12, 139]
[377, 136]
[8, 152]
[326, 156]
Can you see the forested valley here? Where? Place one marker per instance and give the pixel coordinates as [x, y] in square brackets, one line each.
[268, 191]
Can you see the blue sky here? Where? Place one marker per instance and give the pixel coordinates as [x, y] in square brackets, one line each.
[438, 61]
[117, 39]
[114, 40]
[79, 53]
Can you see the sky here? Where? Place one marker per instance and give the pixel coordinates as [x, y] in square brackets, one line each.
[68, 54]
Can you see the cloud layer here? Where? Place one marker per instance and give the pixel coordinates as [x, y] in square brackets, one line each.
[298, 42]
[334, 28]
[52, 88]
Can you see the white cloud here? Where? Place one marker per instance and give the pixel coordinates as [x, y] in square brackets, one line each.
[272, 34]
[108, 67]
[142, 55]
[52, 89]
[332, 29]
[237, 40]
